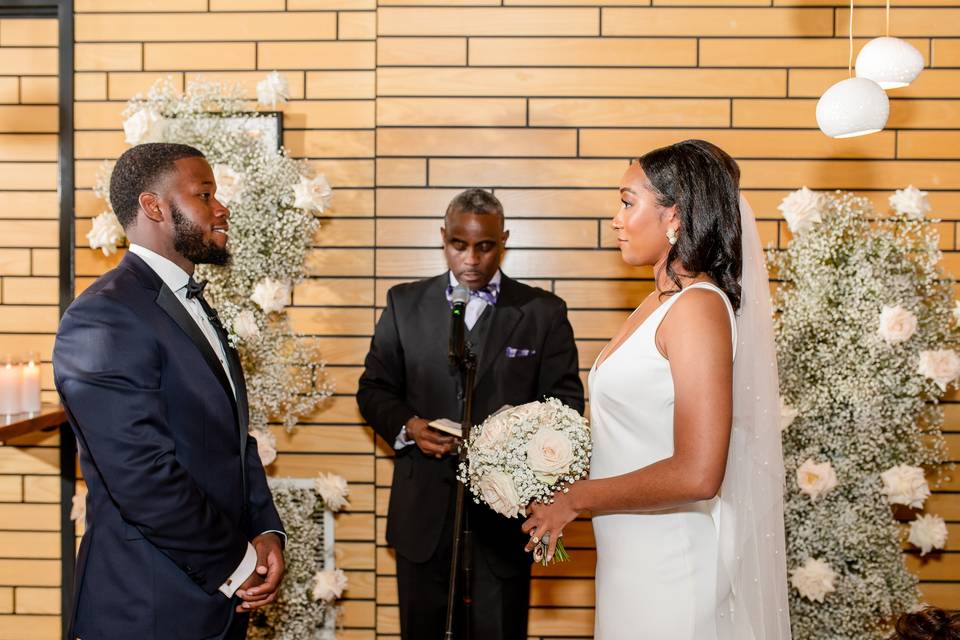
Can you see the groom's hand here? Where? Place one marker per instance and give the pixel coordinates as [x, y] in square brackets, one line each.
[432, 442]
[266, 577]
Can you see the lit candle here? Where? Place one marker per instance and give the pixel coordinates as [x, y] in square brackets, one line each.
[30, 387]
[9, 388]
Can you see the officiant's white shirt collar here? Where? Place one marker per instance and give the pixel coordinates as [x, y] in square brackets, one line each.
[495, 280]
[171, 274]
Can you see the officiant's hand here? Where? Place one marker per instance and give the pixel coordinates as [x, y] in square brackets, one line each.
[432, 442]
[548, 521]
[260, 589]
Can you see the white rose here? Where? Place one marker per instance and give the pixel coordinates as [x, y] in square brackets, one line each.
[229, 183]
[814, 580]
[273, 89]
[942, 366]
[549, 454]
[927, 533]
[904, 484]
[500, 494]
[78, 507]
[896, 324]
[801, 208]
[815, 479]
[956, 311]
[145, 125]
[493, 434]
[105, 233]
[333, 489]
[329, 585]
[787, 415]
[266, 446]
[245, 326]
[910, 202]
[312, 194]
[271, 295]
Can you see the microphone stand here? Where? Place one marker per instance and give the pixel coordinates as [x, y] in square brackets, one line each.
[462, 536]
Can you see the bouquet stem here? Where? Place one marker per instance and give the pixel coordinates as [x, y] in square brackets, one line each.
[559, 554]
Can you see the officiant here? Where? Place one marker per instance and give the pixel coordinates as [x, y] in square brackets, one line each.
[525, 351]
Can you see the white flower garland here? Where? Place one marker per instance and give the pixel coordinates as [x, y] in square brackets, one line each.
[866, 338]
[271, 228]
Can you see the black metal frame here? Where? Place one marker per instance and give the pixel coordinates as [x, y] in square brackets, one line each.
[63, 11]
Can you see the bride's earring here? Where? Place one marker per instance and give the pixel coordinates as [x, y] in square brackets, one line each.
[671, 235]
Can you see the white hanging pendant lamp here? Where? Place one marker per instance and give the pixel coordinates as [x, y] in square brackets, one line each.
[890, 62]
[852, 107]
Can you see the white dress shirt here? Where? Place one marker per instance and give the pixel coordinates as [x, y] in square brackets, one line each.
[176, 280]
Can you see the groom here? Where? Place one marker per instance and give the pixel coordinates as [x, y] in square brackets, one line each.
[525, 352]
[182, 537]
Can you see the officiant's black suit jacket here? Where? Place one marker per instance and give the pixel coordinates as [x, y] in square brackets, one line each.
[175, 487]
[406, 373]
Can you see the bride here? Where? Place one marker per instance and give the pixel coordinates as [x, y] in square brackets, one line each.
[686, 478]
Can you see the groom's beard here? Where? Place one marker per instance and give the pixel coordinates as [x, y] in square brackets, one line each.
[188, 242]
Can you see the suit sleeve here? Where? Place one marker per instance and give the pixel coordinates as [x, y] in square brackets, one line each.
[108, 372]
[559, 367]
[382, 391]
[263, 513]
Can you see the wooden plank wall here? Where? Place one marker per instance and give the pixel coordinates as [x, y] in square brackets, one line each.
[402, 103]
[29, 209]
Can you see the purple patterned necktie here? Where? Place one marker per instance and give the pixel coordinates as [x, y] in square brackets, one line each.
[488, 293]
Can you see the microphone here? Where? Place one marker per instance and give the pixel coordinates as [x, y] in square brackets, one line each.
[459, 298]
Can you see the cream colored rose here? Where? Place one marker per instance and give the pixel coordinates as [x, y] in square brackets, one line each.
[273, 89]
[906, 485]
[910, 202]
[493, 434]
[927, 533]
[266, 446]
[312, 194]
[896, 324]
[145, 125]
[245, 326]
[328, 585]
[229, 183]
[333, 489]
[549, 454]
[78, 507]
[801, 208]
[814, 580]
[787, 414]
[942, 366]
[956, 312]
[500, 494]
[271, 295]
[105, 233]
[815, 479]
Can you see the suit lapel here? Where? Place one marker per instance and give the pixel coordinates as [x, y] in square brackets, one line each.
[506, 316]
[168, 301]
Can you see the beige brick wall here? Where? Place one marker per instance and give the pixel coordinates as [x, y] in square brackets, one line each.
[29, 210]
[402, 103]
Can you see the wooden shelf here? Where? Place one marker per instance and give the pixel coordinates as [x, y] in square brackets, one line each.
[50, 415]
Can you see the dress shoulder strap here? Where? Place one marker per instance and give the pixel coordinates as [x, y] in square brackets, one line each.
[726, 301]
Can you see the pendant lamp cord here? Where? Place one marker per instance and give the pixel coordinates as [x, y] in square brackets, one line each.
[888, 18]
[850, 57]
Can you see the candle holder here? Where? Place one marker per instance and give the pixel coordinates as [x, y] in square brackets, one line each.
[10, 384]
[30, 384]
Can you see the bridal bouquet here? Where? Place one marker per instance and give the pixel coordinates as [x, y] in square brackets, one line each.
[525, 454]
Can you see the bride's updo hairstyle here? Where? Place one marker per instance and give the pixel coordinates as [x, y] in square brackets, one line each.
[928, 624]
[703, 182]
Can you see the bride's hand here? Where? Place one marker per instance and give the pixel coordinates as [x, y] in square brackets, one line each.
[546, 522]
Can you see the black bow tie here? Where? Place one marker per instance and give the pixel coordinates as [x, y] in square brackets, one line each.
[195, 289]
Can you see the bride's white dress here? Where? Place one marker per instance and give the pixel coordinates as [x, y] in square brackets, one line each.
[656, 571]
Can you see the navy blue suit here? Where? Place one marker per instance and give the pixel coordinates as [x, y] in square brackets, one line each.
[175, 487]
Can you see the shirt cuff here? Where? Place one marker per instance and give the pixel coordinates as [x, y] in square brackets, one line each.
[402, 439]
[247, 566]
